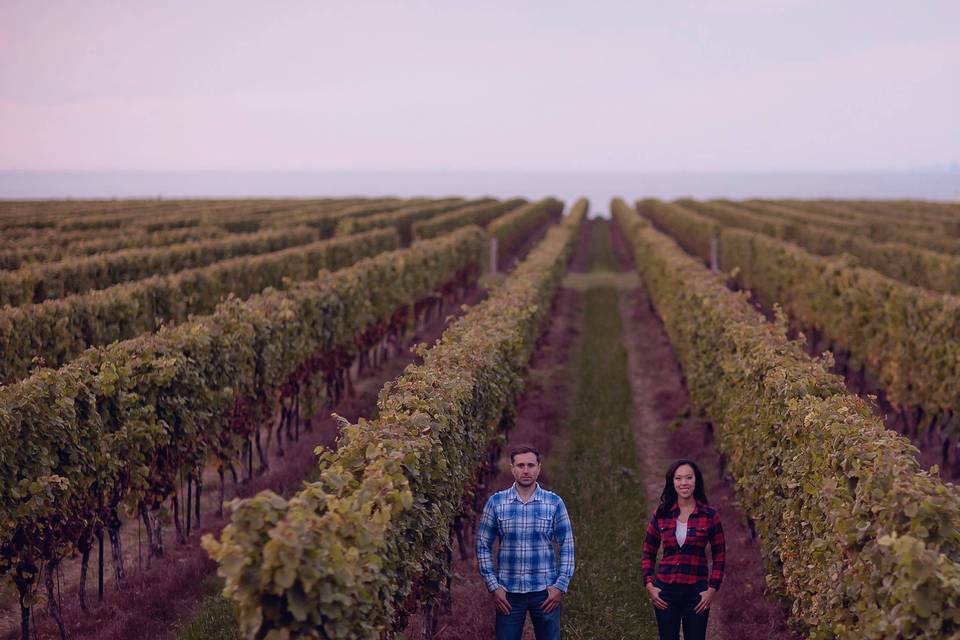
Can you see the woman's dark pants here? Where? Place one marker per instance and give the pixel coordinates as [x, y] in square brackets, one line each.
[682, 599]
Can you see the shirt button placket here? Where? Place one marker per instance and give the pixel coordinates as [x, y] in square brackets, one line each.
[523, 546]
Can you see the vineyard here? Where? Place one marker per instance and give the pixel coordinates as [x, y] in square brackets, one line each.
[282, 418]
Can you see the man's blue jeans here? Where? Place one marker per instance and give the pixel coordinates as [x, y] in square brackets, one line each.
[545, 625]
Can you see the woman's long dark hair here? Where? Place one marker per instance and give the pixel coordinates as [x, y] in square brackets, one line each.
[669, 495]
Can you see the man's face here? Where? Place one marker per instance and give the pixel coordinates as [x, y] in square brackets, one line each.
[525, 469]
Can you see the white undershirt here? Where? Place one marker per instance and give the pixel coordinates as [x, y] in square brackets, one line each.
[681, 532]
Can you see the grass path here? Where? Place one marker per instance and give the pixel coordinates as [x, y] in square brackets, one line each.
[600, 479]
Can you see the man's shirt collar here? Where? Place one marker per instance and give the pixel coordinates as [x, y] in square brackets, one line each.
[536, 497]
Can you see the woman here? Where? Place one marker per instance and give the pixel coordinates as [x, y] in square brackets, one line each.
[684, 523]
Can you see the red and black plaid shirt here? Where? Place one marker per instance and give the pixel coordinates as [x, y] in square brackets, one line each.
[687, 564]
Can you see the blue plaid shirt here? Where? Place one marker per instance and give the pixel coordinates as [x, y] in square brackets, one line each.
[526, 560]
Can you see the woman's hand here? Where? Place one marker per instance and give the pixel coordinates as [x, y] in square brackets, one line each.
[654, 592]
[706, 597]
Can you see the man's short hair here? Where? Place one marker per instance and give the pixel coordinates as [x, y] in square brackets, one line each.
[523, 448]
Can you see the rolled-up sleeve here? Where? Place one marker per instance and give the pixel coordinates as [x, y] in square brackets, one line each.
[563, 532]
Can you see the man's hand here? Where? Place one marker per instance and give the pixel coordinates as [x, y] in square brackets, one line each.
[654, 592]
[500, 597]
[553, 599]
[706, 597]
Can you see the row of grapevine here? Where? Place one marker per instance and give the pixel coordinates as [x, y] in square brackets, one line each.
[229, 213]
[908, 338]
[940, 238]
[899, 234]
[43, 209]
[695, 232]
[327, 223]
[409, 217]
[294, 214]
[112, 222]
[939, 213]
[39, 239]
[776, 215]
[403, 219]
[117, 426]
[158, 215]
[230, 216]
[56, 331]
[50, 215]
[480, 215]
[513, 229]
[339, 559]
[50, 280]
[52, 245]
[871, 225]
[864, 543]
[15, 257]
[910, 264]
[52, 208]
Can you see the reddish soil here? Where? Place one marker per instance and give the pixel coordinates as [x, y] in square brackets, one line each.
[742, 610]
[541, 413]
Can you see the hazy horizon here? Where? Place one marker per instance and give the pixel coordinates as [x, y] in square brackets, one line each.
[598, 186]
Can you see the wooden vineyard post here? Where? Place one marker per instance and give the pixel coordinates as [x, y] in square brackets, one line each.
[714, 262]
[493, 255]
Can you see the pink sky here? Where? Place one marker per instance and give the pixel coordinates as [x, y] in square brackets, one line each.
[605, 86]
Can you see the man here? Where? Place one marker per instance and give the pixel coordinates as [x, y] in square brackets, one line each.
[527, 520]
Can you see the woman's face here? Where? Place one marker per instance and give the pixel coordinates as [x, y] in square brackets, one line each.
[684, 481]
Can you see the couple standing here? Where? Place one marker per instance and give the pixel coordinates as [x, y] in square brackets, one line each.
[527, 520]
